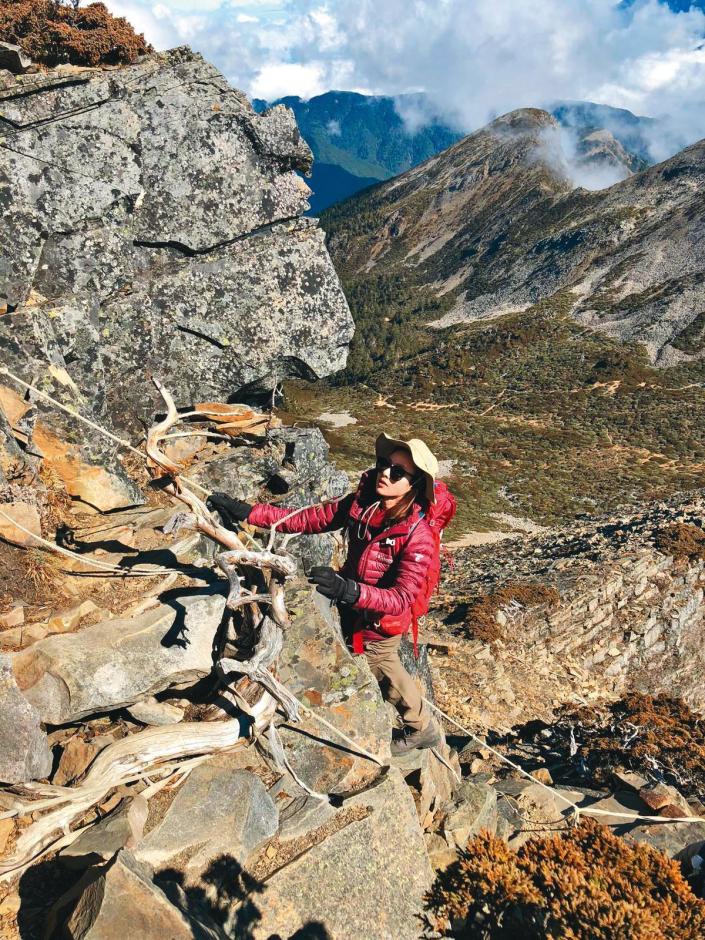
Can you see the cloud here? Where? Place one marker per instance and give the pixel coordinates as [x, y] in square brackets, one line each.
[474, 59]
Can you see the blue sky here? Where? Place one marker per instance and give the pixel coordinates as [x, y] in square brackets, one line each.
[474, 58]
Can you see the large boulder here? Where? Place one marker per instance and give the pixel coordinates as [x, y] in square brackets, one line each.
[152, 225]
[116, 662]
[292, 468]
[24, 751]
[318, 668]
[217, 811]
[121, 900]
[366, 879]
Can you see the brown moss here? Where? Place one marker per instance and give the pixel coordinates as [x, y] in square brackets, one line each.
[684, 542]
[51, 32]
[481, 619]
[642, 732]
[585, 885]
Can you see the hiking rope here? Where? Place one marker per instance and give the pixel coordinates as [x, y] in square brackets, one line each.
[91, 424]
[92, 562]
[341, 734]
[577, 811]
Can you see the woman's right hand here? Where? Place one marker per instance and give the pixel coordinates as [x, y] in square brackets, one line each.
[231, 510]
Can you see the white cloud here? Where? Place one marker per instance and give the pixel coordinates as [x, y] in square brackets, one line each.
[277, 79]
[474, 58]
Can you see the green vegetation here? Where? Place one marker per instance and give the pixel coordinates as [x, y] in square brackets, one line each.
[540, 416]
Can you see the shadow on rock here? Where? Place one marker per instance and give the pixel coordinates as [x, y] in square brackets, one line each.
[176, 635]
[40, 888]
[224, 901]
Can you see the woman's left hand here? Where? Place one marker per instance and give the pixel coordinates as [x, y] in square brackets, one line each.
[330, 584]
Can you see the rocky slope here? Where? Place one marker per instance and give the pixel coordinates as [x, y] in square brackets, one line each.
[147, 785]
[493, 225]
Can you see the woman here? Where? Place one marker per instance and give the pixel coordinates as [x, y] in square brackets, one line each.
[390, 549]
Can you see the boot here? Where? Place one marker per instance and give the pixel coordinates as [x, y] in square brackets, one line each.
[430, 736]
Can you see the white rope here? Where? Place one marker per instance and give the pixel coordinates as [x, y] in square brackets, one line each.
[96, 427]
[92, 562]
[353, 744]
[577, 810]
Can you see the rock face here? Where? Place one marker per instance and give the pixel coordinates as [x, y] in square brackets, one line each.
[217, 811]
[114, 663]
[122, 901]
[316, 666]
[629, 615]
[294, 469]
[152, 224]
[24, 752]
[367, 879]
[493, 224]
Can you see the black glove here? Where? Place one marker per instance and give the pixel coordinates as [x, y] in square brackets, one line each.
[330, 584]
[231, 510]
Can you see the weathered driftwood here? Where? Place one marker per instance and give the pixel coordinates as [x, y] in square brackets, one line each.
[152, 751]
[172, 749]
[257, 667]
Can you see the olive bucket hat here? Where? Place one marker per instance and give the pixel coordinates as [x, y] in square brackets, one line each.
[420, 454]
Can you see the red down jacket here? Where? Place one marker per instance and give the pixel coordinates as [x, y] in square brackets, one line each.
[389, 580]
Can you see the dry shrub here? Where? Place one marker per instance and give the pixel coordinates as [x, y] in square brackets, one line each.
[585, 885]
[481, 623]
[645, 734]
[52, 32]
[684, 542]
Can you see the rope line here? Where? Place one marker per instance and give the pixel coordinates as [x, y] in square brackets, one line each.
[92, 562]
[96, 427]
[577, 810]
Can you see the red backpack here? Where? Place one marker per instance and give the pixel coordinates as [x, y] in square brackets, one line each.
[438, 515]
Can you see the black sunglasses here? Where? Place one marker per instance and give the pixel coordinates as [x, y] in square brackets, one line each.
[396, 471]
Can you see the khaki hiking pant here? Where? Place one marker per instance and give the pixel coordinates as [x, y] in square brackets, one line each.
[397, 685]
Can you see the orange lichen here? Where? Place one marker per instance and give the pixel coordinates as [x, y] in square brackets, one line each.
[585, 885]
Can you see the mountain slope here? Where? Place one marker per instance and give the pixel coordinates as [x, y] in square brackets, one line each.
[494, 225]
[364, 137]
[359, 139]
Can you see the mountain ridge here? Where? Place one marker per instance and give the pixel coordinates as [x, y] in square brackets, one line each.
[494, 225]
[375, 137]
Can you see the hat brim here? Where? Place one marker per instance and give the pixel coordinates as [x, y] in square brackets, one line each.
[385, 446]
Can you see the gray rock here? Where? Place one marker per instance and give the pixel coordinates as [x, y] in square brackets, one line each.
[417, 666]
[217, 811]
[24, 751]
[316, 666]
[292, 468]
[13, 58]
[151, 712]
[432, 784]
[474, 808]
[368, 879]
[121, 900]
[176, 248]
[680, 841]
[114, 663]
[299, 813]
[121, 829]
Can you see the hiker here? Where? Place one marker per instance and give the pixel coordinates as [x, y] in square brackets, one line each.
[393, 524]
